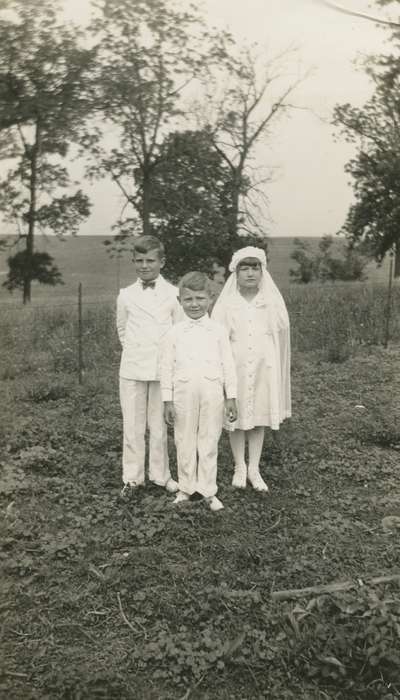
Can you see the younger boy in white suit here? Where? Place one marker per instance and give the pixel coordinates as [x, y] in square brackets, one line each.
[145, 312]
[198, 379]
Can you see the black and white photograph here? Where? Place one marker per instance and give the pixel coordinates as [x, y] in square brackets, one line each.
[200, 349]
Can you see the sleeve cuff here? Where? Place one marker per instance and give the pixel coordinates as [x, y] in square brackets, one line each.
[166, 394]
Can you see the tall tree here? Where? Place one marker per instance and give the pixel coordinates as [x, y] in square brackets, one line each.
[191, 202]
[373, 220]
[44, 98]
[238, 115]
[150, 51]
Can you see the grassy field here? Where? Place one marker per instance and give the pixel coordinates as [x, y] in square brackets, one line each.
[85, 259]
[142, 601]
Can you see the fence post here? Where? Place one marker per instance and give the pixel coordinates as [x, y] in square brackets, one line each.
[388, 304]
[80, 349]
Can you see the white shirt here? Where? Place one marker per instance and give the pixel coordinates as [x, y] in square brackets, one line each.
[197, 348]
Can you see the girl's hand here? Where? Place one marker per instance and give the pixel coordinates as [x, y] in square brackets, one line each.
[231, 410]
[169, 412]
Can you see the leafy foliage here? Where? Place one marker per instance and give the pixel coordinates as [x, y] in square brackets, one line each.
[41, 269]
[322, 266]
[373, 220]
[44, 97]
[190, 203]
[148, 53]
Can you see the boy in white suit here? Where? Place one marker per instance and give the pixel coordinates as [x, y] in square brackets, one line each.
[145, 312]
[197, 368]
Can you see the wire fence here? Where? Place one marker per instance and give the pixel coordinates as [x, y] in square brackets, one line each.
[76, 333]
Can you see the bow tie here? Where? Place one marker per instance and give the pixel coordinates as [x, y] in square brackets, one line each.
[148, 285]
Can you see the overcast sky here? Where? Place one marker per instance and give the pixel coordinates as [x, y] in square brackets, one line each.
[310, 193]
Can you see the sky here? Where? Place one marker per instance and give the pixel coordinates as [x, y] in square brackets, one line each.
[310, 193]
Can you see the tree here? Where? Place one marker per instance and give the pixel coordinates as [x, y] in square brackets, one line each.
[44, 97]
[237, 118]
[321, 265]
[304, 258]
[41, 269]
[190, 204]
[374, 218]
[373, 221]
[149, 52]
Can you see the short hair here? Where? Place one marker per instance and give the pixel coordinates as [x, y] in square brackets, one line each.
[250, 260]
[144, 244]
[197, 282]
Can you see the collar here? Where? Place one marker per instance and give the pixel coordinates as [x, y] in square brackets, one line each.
[203, 322]
[258, 300]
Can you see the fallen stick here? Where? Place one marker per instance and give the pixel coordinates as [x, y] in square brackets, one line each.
[331, 587]
[124, 617]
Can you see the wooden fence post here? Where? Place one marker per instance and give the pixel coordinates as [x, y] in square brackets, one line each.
[388, 304]
[80, 348]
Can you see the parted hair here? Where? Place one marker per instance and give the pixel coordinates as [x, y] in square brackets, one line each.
[144, 244]
[197, 282]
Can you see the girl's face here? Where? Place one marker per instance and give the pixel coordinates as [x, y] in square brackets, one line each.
[249, 274]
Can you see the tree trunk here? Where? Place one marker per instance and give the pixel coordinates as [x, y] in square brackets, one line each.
[235, 199]
[397, 259]
[146, 202]
[34, 157]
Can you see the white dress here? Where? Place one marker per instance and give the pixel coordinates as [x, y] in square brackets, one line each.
[254, 337]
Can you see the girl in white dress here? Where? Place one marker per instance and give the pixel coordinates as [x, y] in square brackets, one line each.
[255, 315]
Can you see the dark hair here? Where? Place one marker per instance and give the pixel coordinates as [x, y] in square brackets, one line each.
[144, 244]
[196, 282]
[251, 260]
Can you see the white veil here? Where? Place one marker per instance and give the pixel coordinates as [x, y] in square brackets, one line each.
[276, 310]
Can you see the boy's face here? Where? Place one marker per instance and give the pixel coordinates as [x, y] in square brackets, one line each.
[195, 303]
[249, 274]
[148, 265]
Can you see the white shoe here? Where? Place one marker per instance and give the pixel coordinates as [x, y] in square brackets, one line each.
[257, 482]
[172, 486]
[214, 503]
[181, 498]
[240, 477]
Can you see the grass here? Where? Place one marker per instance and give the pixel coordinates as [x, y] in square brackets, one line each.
[102, 599]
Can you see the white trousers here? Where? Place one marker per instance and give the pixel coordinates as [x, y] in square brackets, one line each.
[142, 407]
[199, 411]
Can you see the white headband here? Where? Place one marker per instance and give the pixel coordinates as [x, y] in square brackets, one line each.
[249, 252]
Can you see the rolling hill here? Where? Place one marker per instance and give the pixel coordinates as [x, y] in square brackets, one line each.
[85, 259]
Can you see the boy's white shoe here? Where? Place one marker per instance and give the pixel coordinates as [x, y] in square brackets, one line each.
[181, 498]
[239, 477]
[172, 486]
[214, 503]
[257, 482]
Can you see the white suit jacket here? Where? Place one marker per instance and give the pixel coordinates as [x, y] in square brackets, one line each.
[143, 318]
[198, 348]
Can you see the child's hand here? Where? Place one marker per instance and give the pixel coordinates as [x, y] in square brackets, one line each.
[231, 410]
[169, 412]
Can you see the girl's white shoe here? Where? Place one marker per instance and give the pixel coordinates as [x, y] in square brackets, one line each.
[214, 503]
[257, 482]
[240, 477]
